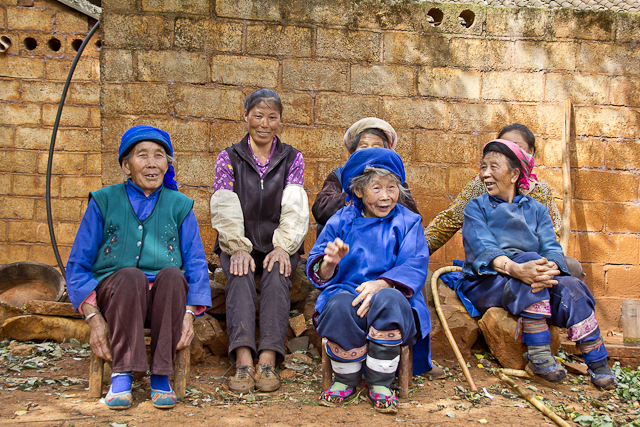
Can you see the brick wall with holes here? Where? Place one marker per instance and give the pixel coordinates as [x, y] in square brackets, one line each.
[39, 39]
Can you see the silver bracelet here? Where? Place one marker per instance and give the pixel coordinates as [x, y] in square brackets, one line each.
[191, 312]
[95, 313]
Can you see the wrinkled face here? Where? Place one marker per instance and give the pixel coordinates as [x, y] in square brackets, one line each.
[370, 140]
[496, 176]
[263, 122]
[516, 137]
[379, 196]
[146, 165]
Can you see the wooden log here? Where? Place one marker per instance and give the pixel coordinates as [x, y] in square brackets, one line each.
[327, 370]
[51, 328]
[51, 308]
[96, 374]
[182, 366]
[565, 230]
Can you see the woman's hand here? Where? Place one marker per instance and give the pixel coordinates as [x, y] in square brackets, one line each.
[240, 263]
[367, 290]
[538, 273]
[278, 255]
[187, 330]
[334, 252]
[99, 335]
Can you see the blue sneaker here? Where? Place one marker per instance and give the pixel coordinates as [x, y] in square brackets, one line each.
[163, 399]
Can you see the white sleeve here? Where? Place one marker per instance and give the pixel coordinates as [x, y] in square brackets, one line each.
[227, 219]
[294, 219]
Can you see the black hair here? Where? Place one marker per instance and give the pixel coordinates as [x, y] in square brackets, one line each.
[512, 159]
[268, 96]
[524, 131]
[353, 144]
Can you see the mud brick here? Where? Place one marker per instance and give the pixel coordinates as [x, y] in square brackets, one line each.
[25, 18]
[608, 59]
[162, 66]
[551, 56]
[410, 48]
[354, 45]
[516, 22]
[463, 117]
[19, 114]
[315, 142]
[16, 207]
[277, 40]
[481, 53]
[13, 253]
[243, 71]
[71, 115]
[298, 108]
[79, 186]
[608, 248]
[622, 155]
[512, 86]
[10, 90]
[204, 34]
[213, 103]
[28, 231]
[337, 110]
[625, 91]
[136, 99]
[196, 170]
[84, 93]
[623, 218]
[117, 65]
[437, 147]
[88, 69]
[77, 139]
[35, 185]
[248, 9]
[18, 161]
[196, 7]
[605, 186]
[582, 89]
[132, 31]
[588, 216]
[314, 75]
[449, 83]
[623, 278]
[415, 113]
[383, 80]
[63, 163]
[61, 209]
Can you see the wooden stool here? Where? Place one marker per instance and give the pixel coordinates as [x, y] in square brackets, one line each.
[181, 367]
[405, 374]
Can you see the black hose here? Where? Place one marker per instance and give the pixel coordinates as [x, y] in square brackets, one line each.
[53, 144]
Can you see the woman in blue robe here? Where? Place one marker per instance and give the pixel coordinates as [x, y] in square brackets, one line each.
[370, 261]
[513, 260]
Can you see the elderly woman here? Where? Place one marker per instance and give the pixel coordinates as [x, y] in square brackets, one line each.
[261, 213]
[138, 259]
[365, 133]
[370, 262]
[512, 260]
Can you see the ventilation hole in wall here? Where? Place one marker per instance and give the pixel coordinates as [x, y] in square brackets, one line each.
[5, 43]
[98, 44]
[76, 44]
[466, 18]
[30, 43]
[435, 17]
[54, 44]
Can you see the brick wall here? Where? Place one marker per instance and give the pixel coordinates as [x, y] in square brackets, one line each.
[44, 38]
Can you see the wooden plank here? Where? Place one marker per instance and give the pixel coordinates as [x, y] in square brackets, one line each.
[181, 371]
[96, 373]
[565, 230]
[327, 370]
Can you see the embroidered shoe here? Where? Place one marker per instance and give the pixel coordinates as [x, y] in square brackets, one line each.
[602, 376]
[122, 400]
[163, 399]
[337, 394]
[243, 381]
[383, 399]
[543, 364]
[267, 379]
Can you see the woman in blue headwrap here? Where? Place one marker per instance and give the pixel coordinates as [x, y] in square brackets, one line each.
[370, 261]
[138, 258]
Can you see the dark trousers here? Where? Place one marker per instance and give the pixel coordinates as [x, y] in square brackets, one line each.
[127, 303]
[242, 301]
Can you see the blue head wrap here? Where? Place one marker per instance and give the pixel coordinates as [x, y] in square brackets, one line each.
[149, 133]
[382, 158]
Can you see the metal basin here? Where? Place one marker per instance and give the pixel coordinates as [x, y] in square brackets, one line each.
[24, 281]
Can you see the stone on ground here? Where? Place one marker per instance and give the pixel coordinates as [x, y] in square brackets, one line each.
[52, 308]
[50, 328]
[298, 324]
[8, 311]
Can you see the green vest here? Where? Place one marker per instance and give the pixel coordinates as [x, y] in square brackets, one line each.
[149, 245]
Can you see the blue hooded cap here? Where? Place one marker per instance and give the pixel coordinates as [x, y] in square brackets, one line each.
[148, 133]
[382, 158]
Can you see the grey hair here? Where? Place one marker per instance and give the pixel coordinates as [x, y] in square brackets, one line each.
[353, 144]
[361, 181]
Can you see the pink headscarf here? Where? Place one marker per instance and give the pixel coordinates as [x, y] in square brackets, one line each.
[526, 160]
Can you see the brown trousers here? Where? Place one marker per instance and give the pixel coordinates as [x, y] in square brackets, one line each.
[127, 304]
[242, 301]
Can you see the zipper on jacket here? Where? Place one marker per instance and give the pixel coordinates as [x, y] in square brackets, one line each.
[260, 211]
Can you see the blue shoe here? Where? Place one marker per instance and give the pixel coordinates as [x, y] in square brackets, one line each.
[601, 376]
[122, 400]
[163, 399]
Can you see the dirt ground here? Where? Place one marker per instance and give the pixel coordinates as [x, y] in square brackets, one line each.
[53, 392]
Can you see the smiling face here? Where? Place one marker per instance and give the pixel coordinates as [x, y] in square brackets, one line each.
[499, 181]
[370, 140]
[146, 165]
[516, 137]
[263, 122]
[380, 196]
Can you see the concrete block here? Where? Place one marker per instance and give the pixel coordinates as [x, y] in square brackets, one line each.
[132, 31]
[61, 209]
[196, 170]
[582, 89]
[513, 86]
[625, 91]
[33, 138]
[415, 113]
[248, 9]
[205, 102]
[27, 18]
[93, 165]
[588, 216]
[10, 90]
[40, 91]
[605, 186]
[205, 34]
[463, 117]
[339, 110]
[162, 66]
[315, 142]
[196, 7]
[135, 99]
[84, 93]
[446, 148]
[117, 65]
[407, 48]
[354, 45]
[549, 56]
[622, 155]
[22, 68]
[582, 24]
[86, 69]
[277, 40]
[18, 161]
[297, 108]
[605, 121]
[386, 80]
[623, 218]
[71, 115]
[35, 185]
[516, 22]
[81, 186]
[449, 83]
[314, 75]
[244, 71]
[608, 59]
[15, 208]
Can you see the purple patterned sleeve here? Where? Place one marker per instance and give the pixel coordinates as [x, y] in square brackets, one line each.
[224, 177]
[296, 172]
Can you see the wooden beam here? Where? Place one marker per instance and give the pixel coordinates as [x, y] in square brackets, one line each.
[84, 6]
[565, 230]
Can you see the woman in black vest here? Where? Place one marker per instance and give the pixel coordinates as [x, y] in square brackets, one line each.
[261, 213]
